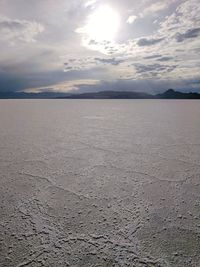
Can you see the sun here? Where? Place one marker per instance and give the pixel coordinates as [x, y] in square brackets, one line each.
[102, 25]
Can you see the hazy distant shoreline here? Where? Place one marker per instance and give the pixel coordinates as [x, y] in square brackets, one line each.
[169, 94]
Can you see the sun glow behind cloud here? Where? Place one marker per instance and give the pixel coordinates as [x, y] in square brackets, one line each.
[102, 25]
[63, 87]
[102, 40]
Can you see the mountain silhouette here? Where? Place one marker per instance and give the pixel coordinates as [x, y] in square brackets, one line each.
[169, 94]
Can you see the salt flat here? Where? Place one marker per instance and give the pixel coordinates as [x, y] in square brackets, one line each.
[99, 183]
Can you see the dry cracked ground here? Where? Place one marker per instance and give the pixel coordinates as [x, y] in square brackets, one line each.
[99, 183]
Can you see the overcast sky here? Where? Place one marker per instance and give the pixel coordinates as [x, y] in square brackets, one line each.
[93, 45]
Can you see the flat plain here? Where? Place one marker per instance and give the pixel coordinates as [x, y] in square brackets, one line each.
[100, 183]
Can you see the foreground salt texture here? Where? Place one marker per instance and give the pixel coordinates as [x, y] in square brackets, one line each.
[99, 183]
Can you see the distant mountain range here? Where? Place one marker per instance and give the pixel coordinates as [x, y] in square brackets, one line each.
[22, 95]
[172, 94]
[169, 94]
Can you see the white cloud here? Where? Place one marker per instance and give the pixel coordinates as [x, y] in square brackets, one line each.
[155, 8]
[90, 3]
[13, 30]
[185, 17]
[131, 19]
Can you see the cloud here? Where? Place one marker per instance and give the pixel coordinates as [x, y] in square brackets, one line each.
[153, 69]
[142, 85]
[154, 8]
[90, 3]
[63, 87]
[112, 61]
[183, 20]
[78, 64]
[164, 58]
[191, 33]
[148, 42]
[86, 63]
[40, 47]
[158, 57]
[131, 19]
[152, 56]
[19, 30]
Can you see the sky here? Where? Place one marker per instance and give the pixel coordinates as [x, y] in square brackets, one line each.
[94, 45]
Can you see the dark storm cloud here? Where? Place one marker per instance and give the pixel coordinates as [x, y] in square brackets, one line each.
[19, 81]
[149, 42]
[192, 33]
[16, 82]
[195, 82]
[10, 82]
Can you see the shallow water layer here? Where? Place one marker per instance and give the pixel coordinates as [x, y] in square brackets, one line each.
[100, 183]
